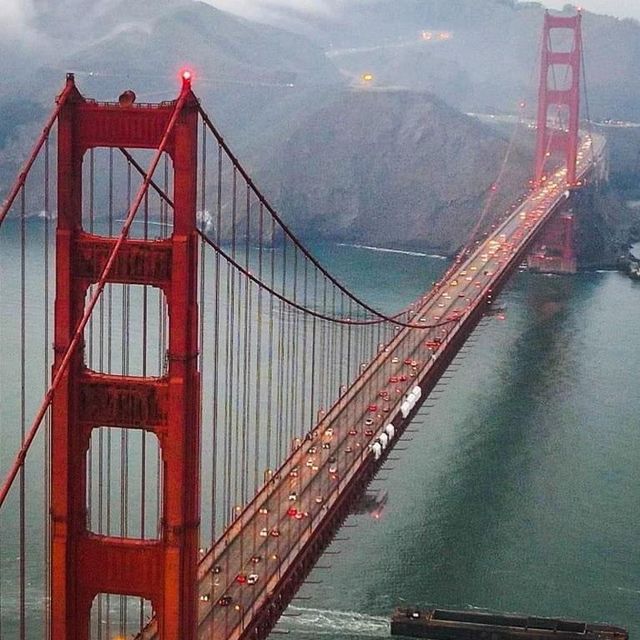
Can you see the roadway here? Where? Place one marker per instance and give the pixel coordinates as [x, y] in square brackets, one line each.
[241, 573]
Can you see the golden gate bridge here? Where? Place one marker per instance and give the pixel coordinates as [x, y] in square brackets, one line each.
[215, 401]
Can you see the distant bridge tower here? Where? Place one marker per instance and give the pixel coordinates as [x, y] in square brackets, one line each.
[561, 67]
[85, 564]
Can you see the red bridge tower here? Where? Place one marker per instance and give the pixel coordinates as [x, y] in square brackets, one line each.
[85, 564]
[559, 66]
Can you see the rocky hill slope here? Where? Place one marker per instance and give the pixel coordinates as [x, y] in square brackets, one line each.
[392, 168]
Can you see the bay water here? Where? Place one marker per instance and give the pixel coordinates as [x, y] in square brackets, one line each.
[519, 489]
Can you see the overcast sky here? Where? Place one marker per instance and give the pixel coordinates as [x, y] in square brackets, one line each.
[15, 14]
[618, 8]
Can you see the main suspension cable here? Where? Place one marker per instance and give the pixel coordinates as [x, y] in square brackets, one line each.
[44, 136]
[381, 318]
[316, 314]
[262, 199]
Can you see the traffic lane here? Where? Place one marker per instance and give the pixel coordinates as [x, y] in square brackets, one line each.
[279, 498]
[474, 288]
[252, 600]
[272, 552]
[353, 458]
[238, 554]
[290, 526]
[230, 552]
[235, 558]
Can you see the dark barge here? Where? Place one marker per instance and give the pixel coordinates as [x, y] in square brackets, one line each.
[442, 624]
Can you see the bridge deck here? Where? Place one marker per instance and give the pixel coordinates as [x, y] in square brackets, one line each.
[267, 540]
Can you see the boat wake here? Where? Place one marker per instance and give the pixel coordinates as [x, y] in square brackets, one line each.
[324, 622]
[385, 250]
[628, 590]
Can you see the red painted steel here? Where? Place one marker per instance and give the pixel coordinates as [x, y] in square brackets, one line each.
[550, 140]
[85, 564]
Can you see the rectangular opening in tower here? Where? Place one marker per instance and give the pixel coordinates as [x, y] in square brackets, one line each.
[558, 122]
[559, 77]
[562, 40]
[124, 483]
[116, 617]
[128, 332]
[111, 178]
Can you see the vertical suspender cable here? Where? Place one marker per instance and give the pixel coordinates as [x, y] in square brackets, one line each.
[109, 368]
[271, 351]
[586, 97]
[47, 426]
[227, 404]
[304, 354]
[143, 433]
[90, 332]
[285, 369]
[295, 378]
[282, 426]
[232, 386]
[23, 413]
[314, 339]
[258, 408]
[124, 433]
[216, 354]
[247, 358]
[203, 269]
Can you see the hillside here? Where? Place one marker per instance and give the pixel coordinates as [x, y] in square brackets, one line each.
[249, 75]
[489, 59]
[391, 168]
[218, 46]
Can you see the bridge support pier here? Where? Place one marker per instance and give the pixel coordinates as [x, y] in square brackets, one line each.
[554, 251]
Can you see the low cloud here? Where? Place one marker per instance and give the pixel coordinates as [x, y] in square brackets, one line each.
[618, 8]
[262, 8]
[15, 16]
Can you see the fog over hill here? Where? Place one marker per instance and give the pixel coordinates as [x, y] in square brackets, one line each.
[489, 61]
